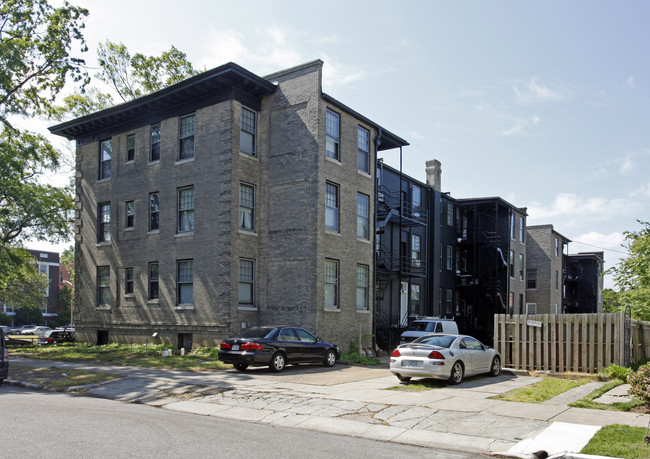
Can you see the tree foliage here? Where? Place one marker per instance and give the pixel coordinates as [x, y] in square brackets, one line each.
[25, 286]
[36, 61]
[35, 44]
[128, 76]
[632, 274]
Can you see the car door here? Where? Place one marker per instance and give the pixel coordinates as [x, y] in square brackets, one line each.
[313, 352]
[288, 340]
[476, 354]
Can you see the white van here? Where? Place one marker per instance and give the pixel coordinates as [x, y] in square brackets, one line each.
[425, 325]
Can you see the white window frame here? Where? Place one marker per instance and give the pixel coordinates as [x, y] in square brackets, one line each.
[248, 131]
[331, 283]
[332, 135]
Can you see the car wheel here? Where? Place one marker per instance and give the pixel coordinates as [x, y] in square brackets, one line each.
[404, 379]
[240, 366]
[278, 362]
[330, 358]
[495, 368]
[457, 372]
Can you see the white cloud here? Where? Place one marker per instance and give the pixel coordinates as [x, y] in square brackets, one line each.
[224, 46]
[521, 126]
[572, 205]
[643, 191]
[629, 82]
[336, 74]
[326, 40]
[533, 91]
[626, 165]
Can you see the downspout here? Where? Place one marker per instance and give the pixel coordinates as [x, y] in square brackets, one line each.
[375, 301]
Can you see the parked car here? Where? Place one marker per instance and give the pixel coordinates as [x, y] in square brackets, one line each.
[5, 329]
[4, 358]
[277, 346]
[56, 337]
[450, 357]
[427, 325]
[40, 331]
[25, 329]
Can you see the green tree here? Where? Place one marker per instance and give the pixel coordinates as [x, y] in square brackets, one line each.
[128, 76]
[35, 44]
[36, 40]
[632, 274]
[26, 287]
[611, 301]
[28, 315]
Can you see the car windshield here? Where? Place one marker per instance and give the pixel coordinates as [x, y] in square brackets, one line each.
[258, 332]
[421, 326]
[47, 334]
[436, 340]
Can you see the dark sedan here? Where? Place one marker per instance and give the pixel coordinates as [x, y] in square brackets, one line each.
[276, 347]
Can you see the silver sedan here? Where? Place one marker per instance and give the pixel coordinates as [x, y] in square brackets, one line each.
[450, 357]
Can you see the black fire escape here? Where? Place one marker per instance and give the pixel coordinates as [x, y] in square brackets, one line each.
[393, 215]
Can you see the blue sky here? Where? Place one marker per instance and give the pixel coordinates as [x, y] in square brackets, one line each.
[544, 104]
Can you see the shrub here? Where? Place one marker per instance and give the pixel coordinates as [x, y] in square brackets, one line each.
[640, 383]
[212, 352]
[614, 372]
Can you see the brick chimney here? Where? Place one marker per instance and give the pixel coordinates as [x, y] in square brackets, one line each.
[434, 173]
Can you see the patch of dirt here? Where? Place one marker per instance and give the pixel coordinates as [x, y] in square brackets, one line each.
[643, 409]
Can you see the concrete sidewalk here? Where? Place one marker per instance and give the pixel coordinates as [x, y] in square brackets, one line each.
[351, 400]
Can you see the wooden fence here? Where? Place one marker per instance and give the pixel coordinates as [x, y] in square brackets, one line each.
[568, 342]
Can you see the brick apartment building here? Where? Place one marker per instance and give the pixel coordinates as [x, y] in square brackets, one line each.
[222, 202]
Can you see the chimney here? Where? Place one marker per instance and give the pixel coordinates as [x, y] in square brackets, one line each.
[434, 172]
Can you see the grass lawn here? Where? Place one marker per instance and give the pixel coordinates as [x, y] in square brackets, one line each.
[139, 355]
[618, 441]
[588, 401]
[545, 389]
[58, 379]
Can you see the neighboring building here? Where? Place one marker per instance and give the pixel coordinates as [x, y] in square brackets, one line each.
[492, 246]
[545, 274]
[48, 265]
[222, 202]
[583, 283]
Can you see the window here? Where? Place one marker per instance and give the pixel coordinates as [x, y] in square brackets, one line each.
[531, 308]
[522, 229]
[104, 222]
[154, 212]
[247, 132]
[557, 280]
[415, 292]
[416, 200]
[129, 221]
[363, 229]
[130, 148]
[512, 226]
[450, 257]
[511, 299]
[448, 301]
[450, 214]
[103, 285]
[416, 249]
[512, 264]
[362, 287]
[557, 247]
[128, 281]
[331, 284]
[186, 138]
[331, 207]
[531, 278]
[246, 282]
[363, 150]
[153, 281]
[185, 279]
[332, 126]
[105, 153]
[246, 207]
[521, 266]
[154, 155]
[186, 209]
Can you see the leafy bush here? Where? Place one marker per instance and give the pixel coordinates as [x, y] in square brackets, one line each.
[211, 352]
[354, 357]
[640, 383]
[614, 372]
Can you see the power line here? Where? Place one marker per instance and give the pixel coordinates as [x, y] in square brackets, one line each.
[598, 247]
